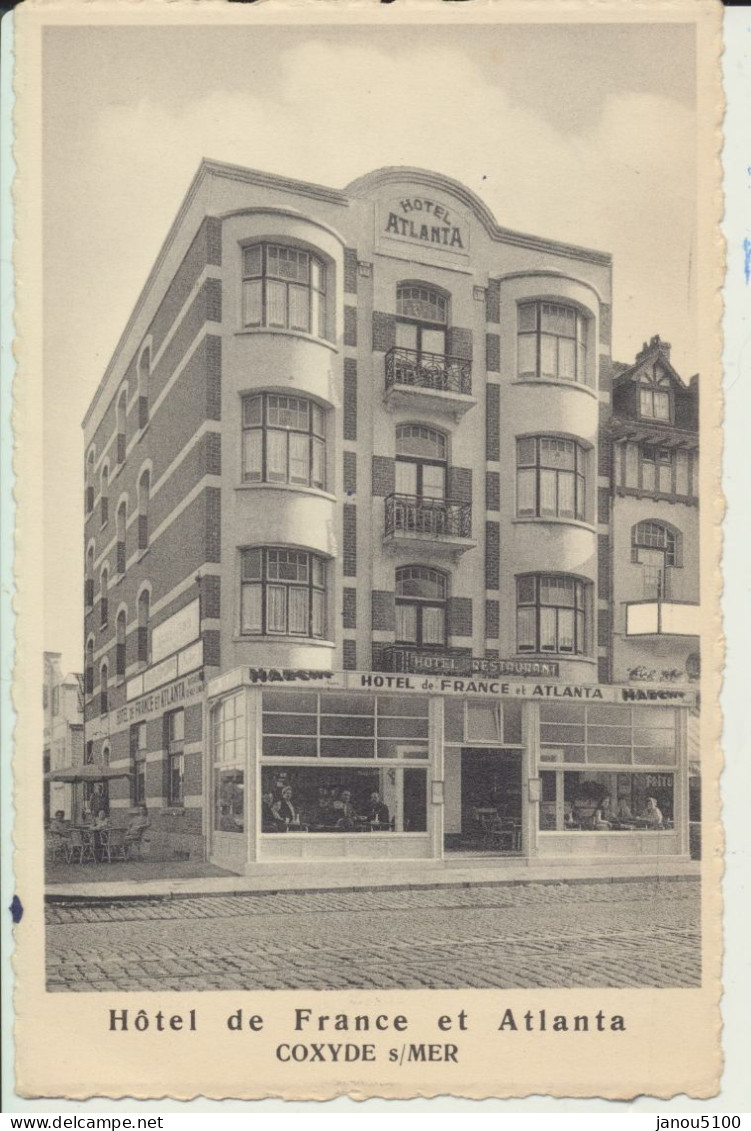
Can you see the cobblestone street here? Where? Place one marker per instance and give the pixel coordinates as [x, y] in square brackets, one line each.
[635, 933]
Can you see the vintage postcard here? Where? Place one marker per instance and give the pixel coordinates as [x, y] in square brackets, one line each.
[368, 448]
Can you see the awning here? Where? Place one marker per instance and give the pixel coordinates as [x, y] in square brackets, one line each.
[87, 773]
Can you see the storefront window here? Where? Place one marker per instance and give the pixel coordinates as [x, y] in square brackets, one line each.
[607, 734]
[228, 753]
[308, 725]
[347, 799]
[590, 801]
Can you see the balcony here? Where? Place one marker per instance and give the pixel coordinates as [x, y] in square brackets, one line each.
[437, 525]
[429, 382]
[662, 618]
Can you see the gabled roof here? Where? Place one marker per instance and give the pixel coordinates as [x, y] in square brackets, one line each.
[654, 350]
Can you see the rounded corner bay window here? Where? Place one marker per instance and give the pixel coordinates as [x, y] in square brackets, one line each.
[284, 440]
[283, 288]
[550, 478]
[552, 614]
[344, 763]
[283, 593]
[552, 342]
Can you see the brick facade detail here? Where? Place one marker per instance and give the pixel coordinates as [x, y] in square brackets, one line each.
[460, 484]
[384, 331]
[459, 616]
[383, 611]
[493, 352]
[493, 423]
[492, 555]
[349, 655]
[492, 491]
[384, 476]
[349, 607]
[350, 270]
[349, 472]
[349, 411]
[493, 301]
[349, 541]
[350, 325]
[492, 619]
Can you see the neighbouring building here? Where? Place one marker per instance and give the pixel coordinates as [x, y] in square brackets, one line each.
[62, 697]
[350, 549]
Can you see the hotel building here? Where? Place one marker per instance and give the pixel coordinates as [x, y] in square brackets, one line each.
[351, 545]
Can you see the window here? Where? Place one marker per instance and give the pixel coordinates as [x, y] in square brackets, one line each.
[138, 763]
[144, 372]
[471, 722]
[174, 740]
[121, 413]
[576, 801]
[103, 688]
[120, 628]
[421, 606]
[89, 582]
[284, 441]
[550, 478]
[104, 502]
[421, 319]
[284, 287]
[121, 524]
[340, 730]
[143, 511]
[421, 455]
[89, 674]
[656, 469]
[143, 626]
[655, 536]
[103, 599]
[228, 751]
[283, 593]
[90, 483]
[654, 395]
[551, 614]
[552, 342]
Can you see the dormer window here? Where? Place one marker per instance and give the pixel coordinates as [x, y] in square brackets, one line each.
[654, 396]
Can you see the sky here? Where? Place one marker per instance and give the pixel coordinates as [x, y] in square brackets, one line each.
[577, 133]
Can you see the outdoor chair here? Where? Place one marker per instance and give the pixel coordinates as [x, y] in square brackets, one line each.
[81, 846]
[133, 843]
[56, 845]
[112, 845]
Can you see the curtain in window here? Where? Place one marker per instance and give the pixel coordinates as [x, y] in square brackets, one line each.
[565, 495]
[299, 308]
[525, 630]
[252, 455]
[317, 626]
[527, 355]
[298, 457]
[276, 457]
[406, 623]
[527, 489]
[547, 493]
[548, 356]
[276, 303]
[252, 303]
[547, 630]
[432, 626]
[298, 611]
[275, 608]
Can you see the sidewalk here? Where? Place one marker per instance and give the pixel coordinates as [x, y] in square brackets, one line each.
[158, 879]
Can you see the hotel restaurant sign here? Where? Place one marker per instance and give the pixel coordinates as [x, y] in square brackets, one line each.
[475, 684]
[418, 219]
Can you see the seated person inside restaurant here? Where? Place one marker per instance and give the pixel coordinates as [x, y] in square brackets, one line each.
[377, 812]
[102, 820]
[603, 818]
[623, 813]
[269, 821]
[651, 818]
[344, 811]
[284, 810]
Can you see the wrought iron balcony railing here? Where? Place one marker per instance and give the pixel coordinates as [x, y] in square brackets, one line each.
[410, 514]
[433, 371]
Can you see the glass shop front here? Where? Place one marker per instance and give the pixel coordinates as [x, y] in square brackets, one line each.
[348, 769]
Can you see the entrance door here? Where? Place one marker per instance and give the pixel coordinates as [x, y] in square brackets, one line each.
[490, 789]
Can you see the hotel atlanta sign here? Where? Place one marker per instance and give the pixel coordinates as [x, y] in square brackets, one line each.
[419, 219]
